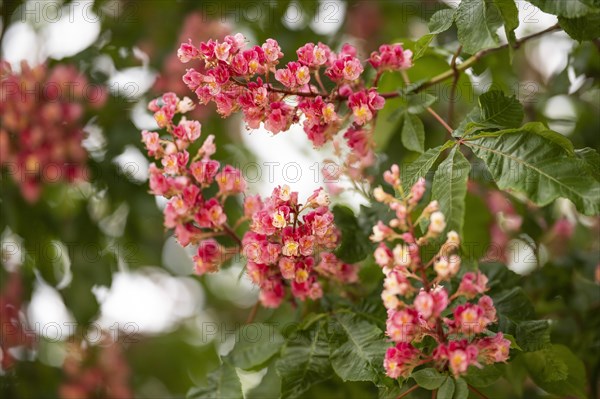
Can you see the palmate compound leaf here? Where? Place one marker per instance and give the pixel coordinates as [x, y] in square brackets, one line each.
[535, 161]
[222, 383]
[304, 361]
[450, 188]
[357, 348]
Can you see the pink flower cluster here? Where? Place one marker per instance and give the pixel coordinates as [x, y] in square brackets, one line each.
[237, 78]
[96, 371]
[419, 299]
[184, 178]
[41, 131]
[284, 246]
[285, 249]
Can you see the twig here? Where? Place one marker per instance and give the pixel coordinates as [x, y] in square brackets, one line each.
[253, 312]
[318, 79]
[477, 392]
[403, 394]
[232, 234]
[440, 120]
[429, 109]
[452, 98]
[431, 82]
[477, 56]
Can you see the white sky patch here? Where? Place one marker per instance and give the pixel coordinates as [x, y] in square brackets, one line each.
[152, 300]
[233, 285]
[562, 109]
[289, 158]
[73, 30]
[131, 83]
[295, 17]
[521, 257]
[12, 250]
[133, 164]
[47, 313]
[20, 43]
[142, 118]
[329, 17]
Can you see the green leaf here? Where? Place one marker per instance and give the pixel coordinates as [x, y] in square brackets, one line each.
[422, 45]
[582, 28]
[513, 342]
[514, 304]
[500, 111]
[304, 361]
[562, 8]
[510, 16]
[526, 161]
[441, 20]
[483, 377]
[475, 30]
[411, 172]
[495, 111]
[533, 335]
[257, 343]
[269, 387]
[355, 244]
[446, 390]
[450, 188]
[357, 348]
[413, 133]
[557, 370]
[221, 383]
[429, 378]
[461, 390]
[591, 158]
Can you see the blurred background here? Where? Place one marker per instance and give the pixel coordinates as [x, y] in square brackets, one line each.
[85, 258]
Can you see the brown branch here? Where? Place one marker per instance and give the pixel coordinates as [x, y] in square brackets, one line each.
[455, 78]
[456, 69]
[440, 120]
[252, 313]
[229, 231]
[477, 392]
[403, 394]
[477, 56]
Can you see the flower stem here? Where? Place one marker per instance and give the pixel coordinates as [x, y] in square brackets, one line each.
[473, 389]
[253, 312]
[403, 394]
[232, 234]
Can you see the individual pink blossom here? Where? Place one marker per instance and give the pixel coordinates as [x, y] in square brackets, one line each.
[208, 257]
[187, 52]
[272, 51]
[458, 355]
[230, 181]
[403, 325]
[391, 57]
[400, 360]
[472, 284]
[493, 349]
